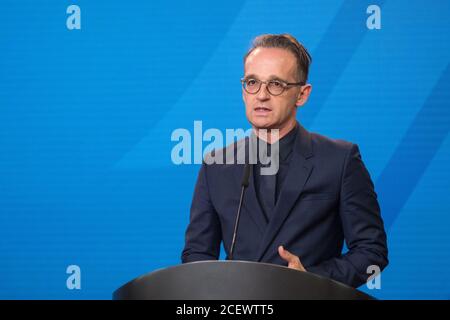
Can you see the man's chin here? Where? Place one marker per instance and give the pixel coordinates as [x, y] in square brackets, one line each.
[258, 124]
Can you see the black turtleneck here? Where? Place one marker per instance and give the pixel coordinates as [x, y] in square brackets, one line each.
[286, 146]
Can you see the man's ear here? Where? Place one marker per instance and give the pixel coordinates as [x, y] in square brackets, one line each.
[303, 95]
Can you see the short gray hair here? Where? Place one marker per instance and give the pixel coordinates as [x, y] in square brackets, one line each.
[288, 42]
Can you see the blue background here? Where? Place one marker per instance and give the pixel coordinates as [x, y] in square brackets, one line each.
[86, 118]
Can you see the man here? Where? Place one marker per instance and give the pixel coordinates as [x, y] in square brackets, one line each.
[320, 195]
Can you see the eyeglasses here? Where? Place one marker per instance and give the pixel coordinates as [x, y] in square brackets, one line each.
[274, 87]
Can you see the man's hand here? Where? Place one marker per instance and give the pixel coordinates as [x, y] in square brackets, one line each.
[293, 260]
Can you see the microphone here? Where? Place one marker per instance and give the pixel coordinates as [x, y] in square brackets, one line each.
[244, 185]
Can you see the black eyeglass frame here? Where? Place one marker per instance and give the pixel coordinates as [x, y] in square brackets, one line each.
[284, 84]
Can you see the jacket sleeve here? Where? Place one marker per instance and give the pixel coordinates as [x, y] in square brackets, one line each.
[203, 234]
[362, 225]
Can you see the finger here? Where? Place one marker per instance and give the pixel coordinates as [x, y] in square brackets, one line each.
[286, 255]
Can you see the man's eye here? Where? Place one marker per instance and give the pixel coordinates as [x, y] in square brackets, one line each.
[276, 84]
[251, 82]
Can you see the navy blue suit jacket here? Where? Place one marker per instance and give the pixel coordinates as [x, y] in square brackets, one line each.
[327, 196]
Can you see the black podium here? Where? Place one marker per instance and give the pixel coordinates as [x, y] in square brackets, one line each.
[234, 280]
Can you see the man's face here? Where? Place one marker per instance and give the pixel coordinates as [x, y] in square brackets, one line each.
[263, 110]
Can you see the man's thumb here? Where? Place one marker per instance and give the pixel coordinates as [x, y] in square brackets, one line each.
[286, 255]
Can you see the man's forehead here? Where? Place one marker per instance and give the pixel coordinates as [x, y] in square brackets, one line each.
[278, 54]
[272, 62]
[268, 77]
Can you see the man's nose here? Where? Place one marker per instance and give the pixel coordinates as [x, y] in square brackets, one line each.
[263, 94]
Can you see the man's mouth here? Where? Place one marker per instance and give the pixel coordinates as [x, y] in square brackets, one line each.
[262, 109]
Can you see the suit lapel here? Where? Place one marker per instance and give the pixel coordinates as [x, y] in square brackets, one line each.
[250, 203]
[253, 206]
[299, 171]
